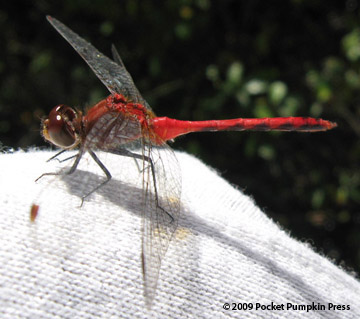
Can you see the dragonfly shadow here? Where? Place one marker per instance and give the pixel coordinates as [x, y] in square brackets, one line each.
[129, 197]
[121, 194]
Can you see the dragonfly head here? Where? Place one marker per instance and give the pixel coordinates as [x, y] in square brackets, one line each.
[63, 127]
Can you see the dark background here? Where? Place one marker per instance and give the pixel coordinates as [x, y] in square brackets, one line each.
[205, 59]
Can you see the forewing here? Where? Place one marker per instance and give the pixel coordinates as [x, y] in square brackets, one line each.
[162, 192]
[115, 76]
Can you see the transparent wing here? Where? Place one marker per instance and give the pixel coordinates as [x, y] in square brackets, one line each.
[116, 56]
[112, 132]
[162, 191]
[161, 185]
[115, 76]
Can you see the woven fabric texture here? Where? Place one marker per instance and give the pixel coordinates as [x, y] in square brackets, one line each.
[85, 262]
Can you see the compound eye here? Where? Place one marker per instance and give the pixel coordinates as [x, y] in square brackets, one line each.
[60, 127]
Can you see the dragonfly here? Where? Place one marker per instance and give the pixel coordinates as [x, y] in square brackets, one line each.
[124, 124]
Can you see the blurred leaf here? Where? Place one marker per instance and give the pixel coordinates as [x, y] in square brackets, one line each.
[235, 73]
[40, 62]
[351, 45]
[316, 109]
[266, 151]
[324, 92]
[289, 106]
[183, 31]
[313, 78]
[317, 198]
[107, 28]
[243, 97]
[277, 92]
[250, 147]
[256, 86]
[212, 72]
[352, 79]
[186, 12]
[262, 109]
[333, 66]
[203, 4]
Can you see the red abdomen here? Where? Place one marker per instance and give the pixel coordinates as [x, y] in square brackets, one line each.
[167, 128]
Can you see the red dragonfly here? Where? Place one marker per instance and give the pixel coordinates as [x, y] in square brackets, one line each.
[124, 124]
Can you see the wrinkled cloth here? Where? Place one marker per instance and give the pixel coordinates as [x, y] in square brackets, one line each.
[85, 261]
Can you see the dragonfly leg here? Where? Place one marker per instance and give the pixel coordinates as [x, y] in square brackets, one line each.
[137, 165]
[56, 155]
[104, 169]
[74, 166]
[135, 156]
[63, 160]
[140, 170]
[71, 170]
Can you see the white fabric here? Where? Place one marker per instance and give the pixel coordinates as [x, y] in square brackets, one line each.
[85, 262]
